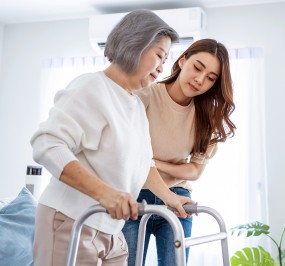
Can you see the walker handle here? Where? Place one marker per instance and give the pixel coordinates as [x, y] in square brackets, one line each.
[189, 208]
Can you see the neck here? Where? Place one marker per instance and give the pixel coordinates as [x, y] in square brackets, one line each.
[115, 73]
[176, 94]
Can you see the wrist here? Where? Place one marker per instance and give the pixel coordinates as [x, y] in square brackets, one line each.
[159, 165]
[167, 197]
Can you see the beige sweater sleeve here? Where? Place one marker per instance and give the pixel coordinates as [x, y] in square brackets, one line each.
[204, 158]
[144, 95]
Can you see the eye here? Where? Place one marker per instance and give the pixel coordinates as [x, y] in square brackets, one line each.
[160, 56]
[196, 68]
[212, 79]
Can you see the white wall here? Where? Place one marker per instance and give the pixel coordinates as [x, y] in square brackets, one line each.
[24, 48]
[1, 45]
[25, 45]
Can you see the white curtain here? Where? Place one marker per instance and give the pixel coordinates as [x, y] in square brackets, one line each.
[57, 72]
[234, 182]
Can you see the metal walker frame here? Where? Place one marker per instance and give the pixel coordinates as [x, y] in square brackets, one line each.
[180, 242]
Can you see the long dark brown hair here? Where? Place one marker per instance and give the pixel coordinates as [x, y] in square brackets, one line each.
[214, 107]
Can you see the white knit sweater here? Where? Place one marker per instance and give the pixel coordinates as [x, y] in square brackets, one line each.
[97, 122]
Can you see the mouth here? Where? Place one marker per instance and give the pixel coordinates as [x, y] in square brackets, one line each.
[193, 88]
[154, 77]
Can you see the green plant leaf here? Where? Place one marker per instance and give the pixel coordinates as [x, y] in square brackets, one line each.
[252, 257]
[251, 229]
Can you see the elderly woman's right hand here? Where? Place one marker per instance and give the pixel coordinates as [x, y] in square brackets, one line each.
[120, 205]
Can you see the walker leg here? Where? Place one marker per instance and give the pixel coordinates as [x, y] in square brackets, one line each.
[191, 241]
[141, 239]
[176, 226]
[75, 234]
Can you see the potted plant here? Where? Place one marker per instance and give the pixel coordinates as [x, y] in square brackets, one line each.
[256, 256]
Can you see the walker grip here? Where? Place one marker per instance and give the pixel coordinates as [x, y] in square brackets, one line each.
[189, 208]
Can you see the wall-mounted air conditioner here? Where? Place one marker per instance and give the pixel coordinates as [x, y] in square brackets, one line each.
[190, 23]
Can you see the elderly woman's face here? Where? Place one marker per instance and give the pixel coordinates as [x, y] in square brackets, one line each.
[152, 60]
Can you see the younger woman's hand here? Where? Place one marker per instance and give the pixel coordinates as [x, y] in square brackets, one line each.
[177, 202]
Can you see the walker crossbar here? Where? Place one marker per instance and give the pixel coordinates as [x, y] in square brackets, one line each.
[192, 241]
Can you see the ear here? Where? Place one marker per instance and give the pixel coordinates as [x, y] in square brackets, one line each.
[181, 61]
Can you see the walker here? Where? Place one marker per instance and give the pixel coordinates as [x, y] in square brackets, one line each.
[180, 242]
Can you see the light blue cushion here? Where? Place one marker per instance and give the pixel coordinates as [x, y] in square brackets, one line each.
[17, 221]
[4, 202]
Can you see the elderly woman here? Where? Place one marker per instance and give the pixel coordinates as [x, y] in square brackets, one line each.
[97, 147]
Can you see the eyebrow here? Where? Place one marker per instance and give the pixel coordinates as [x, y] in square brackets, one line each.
[205, 67]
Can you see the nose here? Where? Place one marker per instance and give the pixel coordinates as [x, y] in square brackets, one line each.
[160, 68]
[200, 79]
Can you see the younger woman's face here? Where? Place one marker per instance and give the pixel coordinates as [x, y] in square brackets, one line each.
[198, 73]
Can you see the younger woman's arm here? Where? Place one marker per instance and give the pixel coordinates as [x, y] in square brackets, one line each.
[186, 171]
[158, 187]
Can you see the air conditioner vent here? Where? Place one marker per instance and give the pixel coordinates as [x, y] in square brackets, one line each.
[190, 23]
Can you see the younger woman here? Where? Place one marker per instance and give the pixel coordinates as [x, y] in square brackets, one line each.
[189, 113]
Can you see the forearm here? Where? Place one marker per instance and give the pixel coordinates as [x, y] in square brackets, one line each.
[186, 171]
[120, 205]
[78, 177]
[156, 185]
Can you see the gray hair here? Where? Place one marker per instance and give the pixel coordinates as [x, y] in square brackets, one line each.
[132, 35]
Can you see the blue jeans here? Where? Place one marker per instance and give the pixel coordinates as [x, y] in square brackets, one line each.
[160, 228]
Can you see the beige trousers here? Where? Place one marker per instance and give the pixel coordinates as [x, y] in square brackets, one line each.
[52, 235]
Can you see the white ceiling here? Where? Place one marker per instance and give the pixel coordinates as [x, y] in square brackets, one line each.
[21, 11]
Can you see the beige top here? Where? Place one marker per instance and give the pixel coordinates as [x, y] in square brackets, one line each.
[172, 129]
